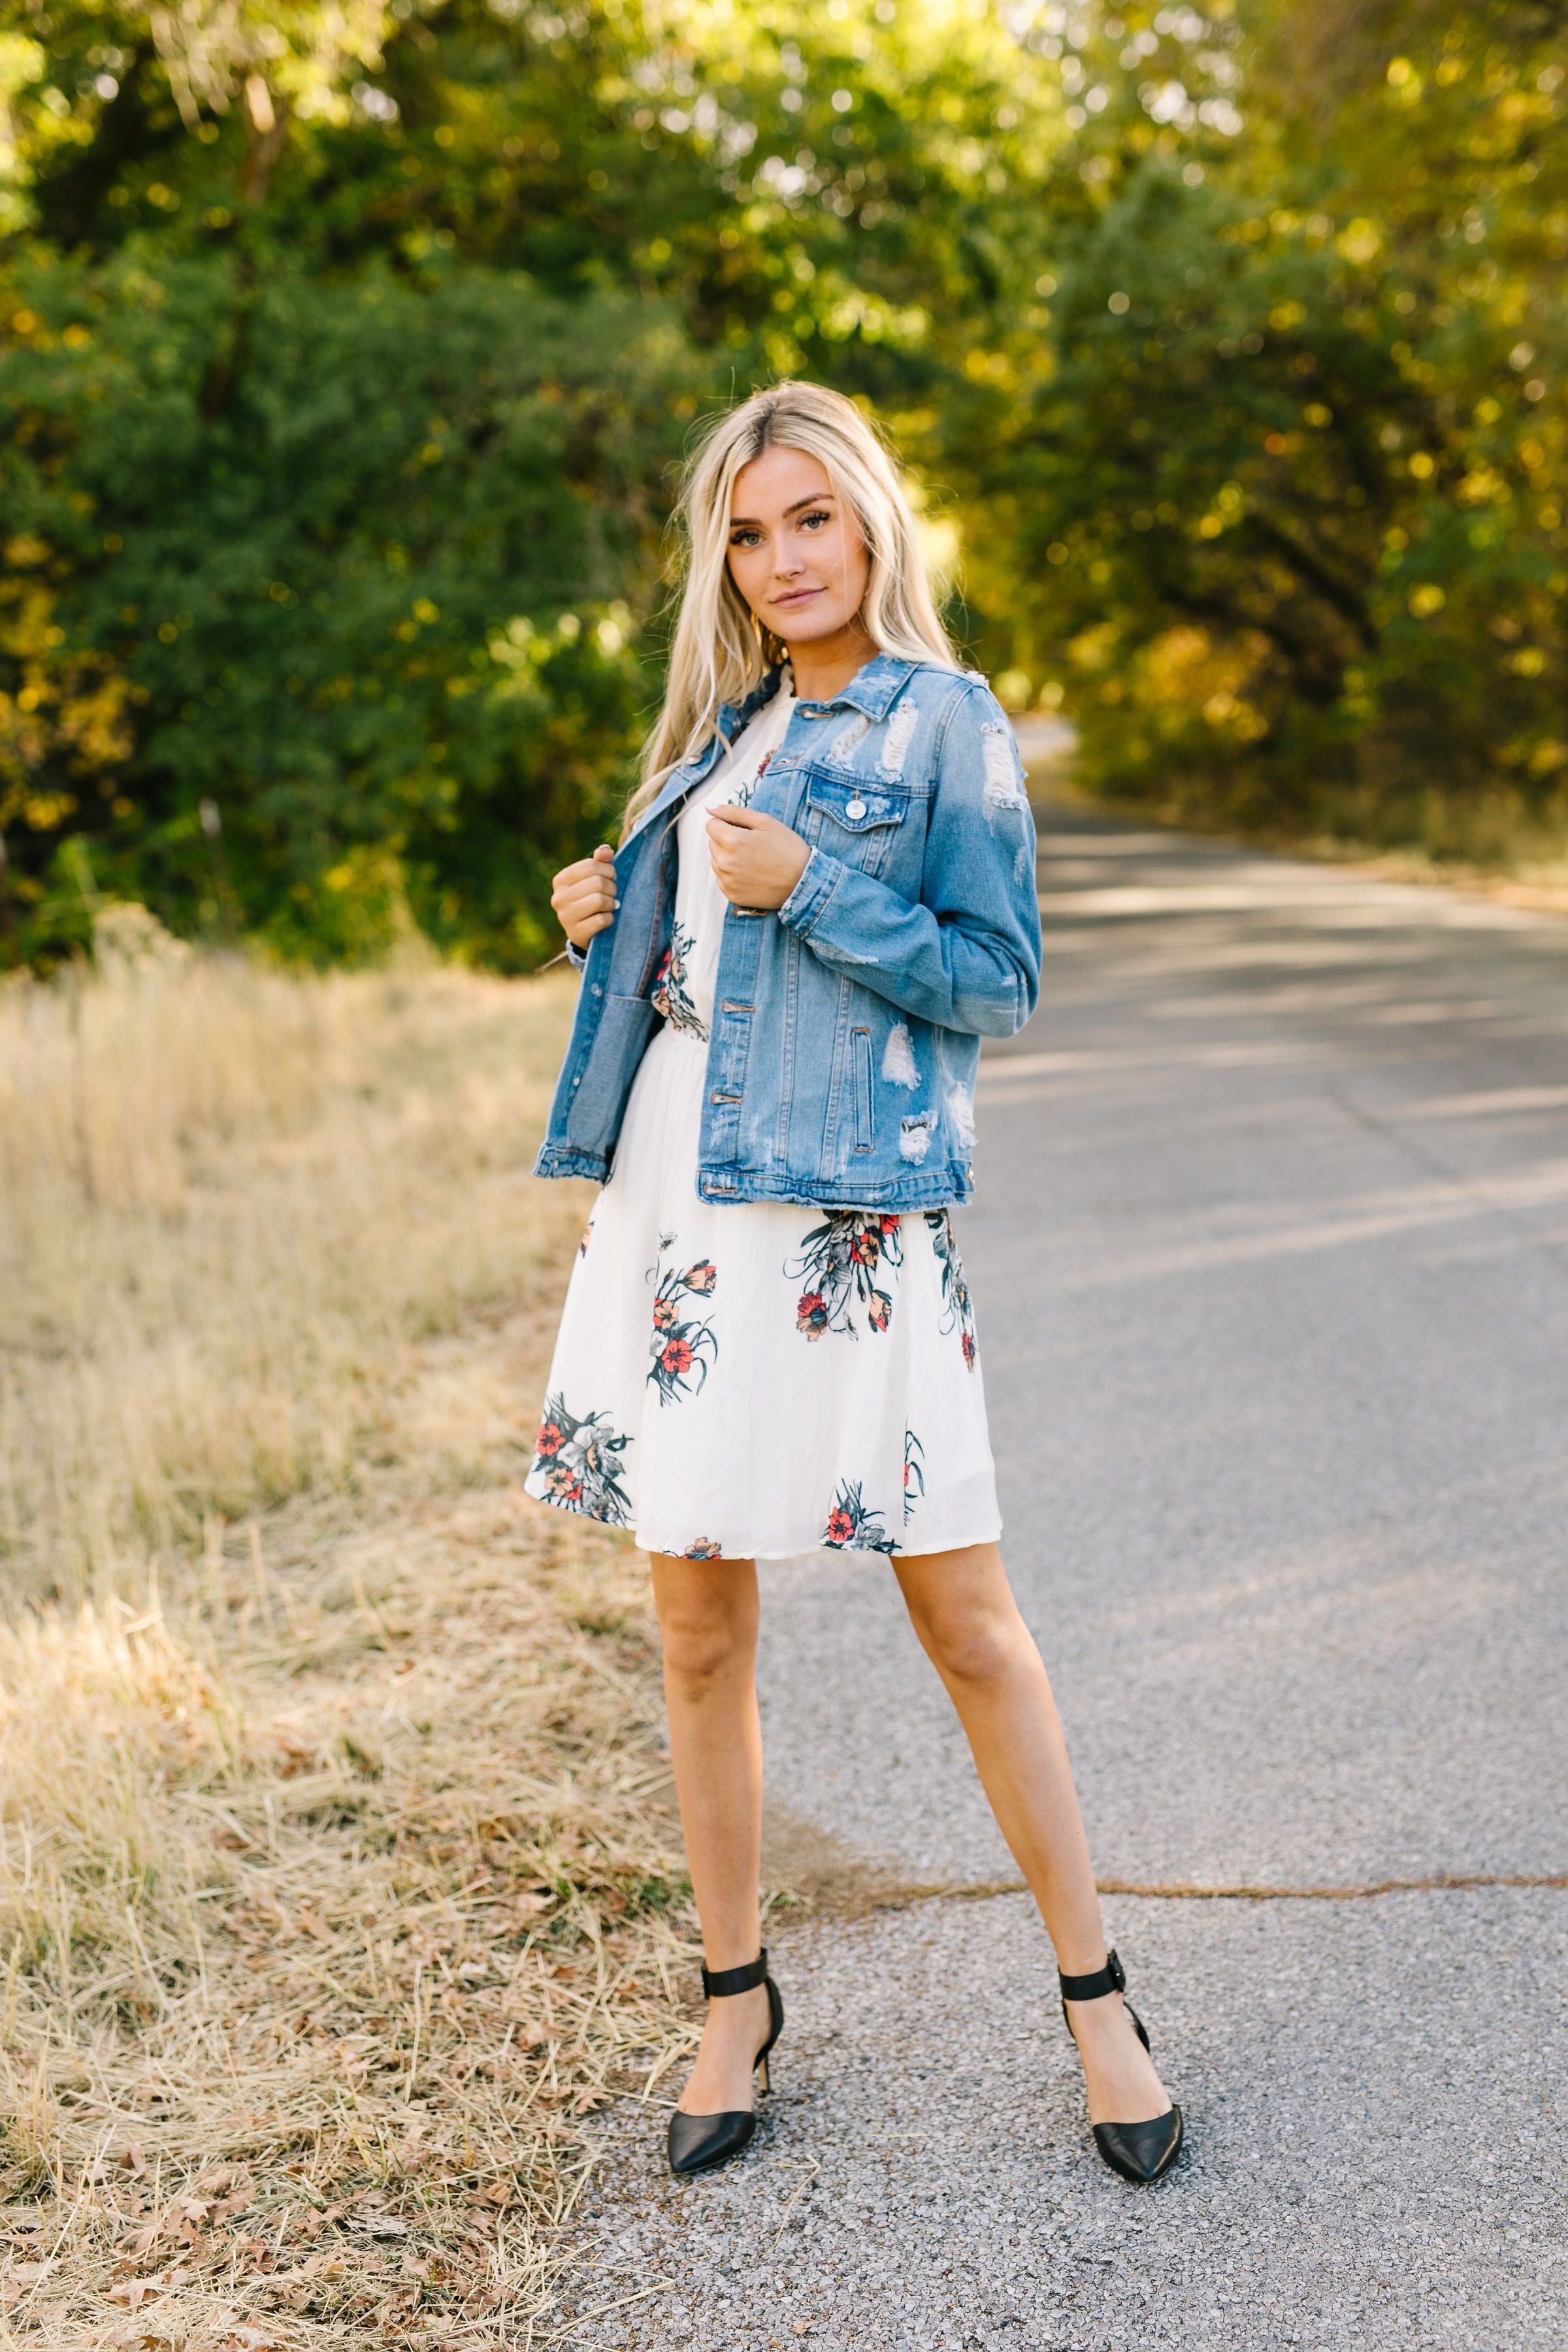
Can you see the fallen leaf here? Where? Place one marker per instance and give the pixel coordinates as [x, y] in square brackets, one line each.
[378, 2225]
[319, 2266]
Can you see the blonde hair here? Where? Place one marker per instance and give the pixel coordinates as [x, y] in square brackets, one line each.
[721, 651]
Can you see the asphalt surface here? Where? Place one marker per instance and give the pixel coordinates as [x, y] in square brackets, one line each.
[1270, 1264]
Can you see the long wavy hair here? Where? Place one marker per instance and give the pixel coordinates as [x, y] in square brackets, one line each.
[721, 650]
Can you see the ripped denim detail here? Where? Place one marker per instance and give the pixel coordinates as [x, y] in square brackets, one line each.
[915, 1135]
[899, 1067]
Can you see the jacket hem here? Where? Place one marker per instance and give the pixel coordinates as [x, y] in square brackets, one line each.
[935, 1192]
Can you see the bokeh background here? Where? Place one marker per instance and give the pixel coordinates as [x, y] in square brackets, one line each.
[348, 352]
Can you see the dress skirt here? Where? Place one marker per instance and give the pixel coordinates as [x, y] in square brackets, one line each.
[756, 1380]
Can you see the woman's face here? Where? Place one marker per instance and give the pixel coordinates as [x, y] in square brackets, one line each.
[795, 551]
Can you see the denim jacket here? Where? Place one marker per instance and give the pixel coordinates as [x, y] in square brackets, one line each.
[846, 1023]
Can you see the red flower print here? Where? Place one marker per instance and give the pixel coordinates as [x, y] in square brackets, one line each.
[851, 1526]
[956, 1310]
[838, 1261]
[577, 1462]
[670, 994]
[682, 1342]
[811, 1315]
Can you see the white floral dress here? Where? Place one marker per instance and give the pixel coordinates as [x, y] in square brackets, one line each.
[756, 1380]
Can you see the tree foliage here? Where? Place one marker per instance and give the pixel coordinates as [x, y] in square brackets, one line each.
[347, 353]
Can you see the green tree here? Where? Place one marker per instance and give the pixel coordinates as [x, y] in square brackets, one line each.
[1288, 476]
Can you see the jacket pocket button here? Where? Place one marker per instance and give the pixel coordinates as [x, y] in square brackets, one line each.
[856, 809]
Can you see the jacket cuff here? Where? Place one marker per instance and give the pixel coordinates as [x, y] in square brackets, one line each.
[576, 957]
[811, 894]
[562, 1160]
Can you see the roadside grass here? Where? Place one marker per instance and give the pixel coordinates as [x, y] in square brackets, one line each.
[338, 1881]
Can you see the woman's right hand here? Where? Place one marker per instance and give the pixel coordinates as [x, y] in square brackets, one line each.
[584, 895]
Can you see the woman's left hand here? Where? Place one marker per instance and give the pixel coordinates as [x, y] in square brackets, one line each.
[757, 860]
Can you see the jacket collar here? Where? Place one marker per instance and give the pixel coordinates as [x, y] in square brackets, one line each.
[734, 716]
[873, 688]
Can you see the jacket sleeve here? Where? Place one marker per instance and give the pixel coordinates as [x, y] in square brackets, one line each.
[968, 955]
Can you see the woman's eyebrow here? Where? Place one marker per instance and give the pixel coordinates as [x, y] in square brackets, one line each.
[749, 522]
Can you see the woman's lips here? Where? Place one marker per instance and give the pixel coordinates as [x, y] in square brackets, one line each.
[797, 596]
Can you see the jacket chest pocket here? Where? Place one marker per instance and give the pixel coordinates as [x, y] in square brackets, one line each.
[853, 819]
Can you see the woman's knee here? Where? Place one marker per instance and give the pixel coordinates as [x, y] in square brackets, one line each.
[709, 1629]
[974, 1645]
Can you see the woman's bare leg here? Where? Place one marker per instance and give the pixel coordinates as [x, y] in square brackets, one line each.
[708, 1616]
[962, 1607]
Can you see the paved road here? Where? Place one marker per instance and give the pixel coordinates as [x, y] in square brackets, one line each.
[1270, 1258]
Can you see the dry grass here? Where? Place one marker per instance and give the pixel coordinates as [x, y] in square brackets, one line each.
[336, 1872]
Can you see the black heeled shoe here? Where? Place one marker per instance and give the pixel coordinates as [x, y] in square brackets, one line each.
[1139, 2152]
[698, 2142]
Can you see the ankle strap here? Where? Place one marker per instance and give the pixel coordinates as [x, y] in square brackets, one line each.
[1111, 1977]
[719, 1983]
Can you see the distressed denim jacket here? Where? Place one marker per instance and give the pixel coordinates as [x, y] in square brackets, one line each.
[846, 1023]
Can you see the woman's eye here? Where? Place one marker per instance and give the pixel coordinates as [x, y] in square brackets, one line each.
[810, 521]
[745, 539]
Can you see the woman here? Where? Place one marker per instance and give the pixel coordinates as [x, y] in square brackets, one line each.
[825, 895]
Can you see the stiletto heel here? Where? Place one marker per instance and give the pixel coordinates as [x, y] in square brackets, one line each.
[1139, 2152]
[698, 2142]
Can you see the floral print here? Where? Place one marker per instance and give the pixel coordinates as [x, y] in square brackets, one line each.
[959, 1315]
[914, 1473]
[682, 1345]
[580, 1466]
[748, 792]
[838, 1263]
[852, 1527]
[705, 1547]
[671, 988]
[587, 1237]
